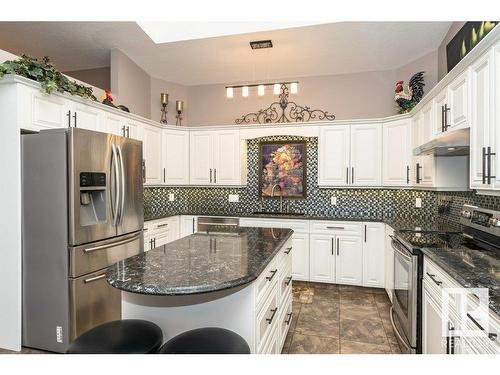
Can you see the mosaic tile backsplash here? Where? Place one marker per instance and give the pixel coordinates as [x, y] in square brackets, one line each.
[351, 203]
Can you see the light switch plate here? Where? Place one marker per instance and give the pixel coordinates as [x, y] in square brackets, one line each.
[333, 201]
[234, 198]
[418, 202]
[171, 197]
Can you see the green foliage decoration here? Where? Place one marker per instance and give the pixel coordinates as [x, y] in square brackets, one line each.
[43, 71]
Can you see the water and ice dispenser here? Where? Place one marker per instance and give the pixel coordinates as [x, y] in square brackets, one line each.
[92, 198]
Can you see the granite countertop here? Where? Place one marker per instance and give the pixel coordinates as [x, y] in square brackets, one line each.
[199, 263]
[472, 268]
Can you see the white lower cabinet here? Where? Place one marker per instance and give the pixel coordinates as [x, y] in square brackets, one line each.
[433, 340]
[188, 225]
[374, 255]
[349, 260]
[160, 232]
[322, 258]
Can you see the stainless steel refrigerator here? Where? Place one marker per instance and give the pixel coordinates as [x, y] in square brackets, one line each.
[82, 211]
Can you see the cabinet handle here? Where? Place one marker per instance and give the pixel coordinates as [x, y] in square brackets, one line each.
[163, 174]
[288, 281]
[347, 176]
[450, 340]
[270, 320]
[154, 242]
[407, 174]
[442, 119]
[365, 232]
[193, 224]
[341, 228]
[338, 247]
[128, 131]
[433, 279]
[69, 118]
[215, 175]
[352, 176]
[162, 225]
[446, 110]
[483, 166]
[210, 175]
[489, 154]
[418, 167]
[74, 118]
[491, 336]
[143, 171]
[123, 131]
[269, 278]
[287, 251]
[289, 319]
[332, 245]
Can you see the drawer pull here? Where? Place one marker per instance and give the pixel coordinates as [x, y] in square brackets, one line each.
[287, 251]
[270, 320]
[341, 228]
[162, 225]
[288, 281]
[433, 278]
[289, 319]
[269, 278]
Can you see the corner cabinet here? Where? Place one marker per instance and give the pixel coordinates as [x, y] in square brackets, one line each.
[216, 158]
[397, 155]
[350, 155]
[175, 157]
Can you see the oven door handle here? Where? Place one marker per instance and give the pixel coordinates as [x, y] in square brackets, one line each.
[396, 330]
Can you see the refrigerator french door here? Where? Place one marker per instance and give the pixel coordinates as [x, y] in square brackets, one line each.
[82, 212]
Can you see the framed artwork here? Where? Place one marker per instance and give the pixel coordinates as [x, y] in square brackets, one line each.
[282, 163]
[465, 40]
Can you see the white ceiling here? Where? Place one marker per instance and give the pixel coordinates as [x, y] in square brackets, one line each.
[335, 48]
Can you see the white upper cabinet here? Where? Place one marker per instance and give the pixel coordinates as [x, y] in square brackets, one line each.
[175, 157]
[482, 121]
[458, 101]
[333, 156]
[350, 155]
[87, 117]
[366, 155]
[44, 111]
[428, 124]
[441, 112]
[201, 158]
[397, 153]
[151, 154]
[112, 124]
[216, 158]
[374, 255]
[132, 129]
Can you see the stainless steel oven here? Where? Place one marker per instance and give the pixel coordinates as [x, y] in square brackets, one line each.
[404, 312]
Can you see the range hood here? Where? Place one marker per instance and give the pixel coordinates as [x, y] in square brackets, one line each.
[450, 143]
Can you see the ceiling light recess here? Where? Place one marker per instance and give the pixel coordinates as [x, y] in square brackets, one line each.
[261, 88]
[260, 44]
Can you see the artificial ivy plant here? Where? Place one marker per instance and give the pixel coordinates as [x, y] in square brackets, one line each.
[44, 72]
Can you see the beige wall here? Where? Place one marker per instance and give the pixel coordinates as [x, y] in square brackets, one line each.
[349, 96]
[130, 84]
[175, 92]
[454, 29]
[98, 77]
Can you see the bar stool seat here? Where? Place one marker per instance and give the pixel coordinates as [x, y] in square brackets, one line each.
[206, 341]
[129, 336]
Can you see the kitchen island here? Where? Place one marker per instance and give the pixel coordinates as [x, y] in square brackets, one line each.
[239, 280]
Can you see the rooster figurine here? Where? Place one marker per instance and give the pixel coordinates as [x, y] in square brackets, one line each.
[414, 92]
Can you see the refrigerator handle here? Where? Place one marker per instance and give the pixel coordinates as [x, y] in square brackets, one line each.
[122, 184]
[116, 192]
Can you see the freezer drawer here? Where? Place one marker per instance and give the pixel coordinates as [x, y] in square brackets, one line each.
[98, 255]
[92, 302]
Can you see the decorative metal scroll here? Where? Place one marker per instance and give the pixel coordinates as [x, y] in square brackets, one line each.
[284, 111]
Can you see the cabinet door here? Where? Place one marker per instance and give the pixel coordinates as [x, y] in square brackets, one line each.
[200, 158]
[427, 172]
[87, 117]
[322, 258]
[433, 341]
[112, 124]
[333, 156]
[481, 118]
[175, 154]
[397, 153]
[428, 123]
[366, 155]
[49, 111]
[458, 101]
[389, 262]
[226, 157]
[151, 150]
[300, 256]
[440, 101]
[132, 129]
[188, 225]
[374, 255]
[349, 261]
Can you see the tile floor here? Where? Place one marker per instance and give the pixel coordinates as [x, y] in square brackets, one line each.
[330, 319]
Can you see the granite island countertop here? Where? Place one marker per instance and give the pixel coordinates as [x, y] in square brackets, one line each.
[471, 268]
[199, 263]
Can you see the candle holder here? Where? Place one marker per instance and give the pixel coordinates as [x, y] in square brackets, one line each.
[179, 106]
[164, 110]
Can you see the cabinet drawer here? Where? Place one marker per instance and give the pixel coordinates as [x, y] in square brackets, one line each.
[336, 227]
[285, 321]
[298, 226]
[266, 319]
[285, 254]
[285, 282]
[266, 282]
[271, 346]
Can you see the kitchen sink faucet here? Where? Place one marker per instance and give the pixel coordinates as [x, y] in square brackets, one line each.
[281, 195]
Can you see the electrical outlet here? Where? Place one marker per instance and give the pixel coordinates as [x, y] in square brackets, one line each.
[418, 202]
[234, 198]
[171, 197]
[333, 201]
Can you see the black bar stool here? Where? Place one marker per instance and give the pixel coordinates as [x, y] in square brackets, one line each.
[206, 341]
[129, 336]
